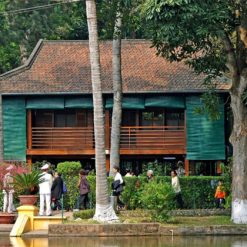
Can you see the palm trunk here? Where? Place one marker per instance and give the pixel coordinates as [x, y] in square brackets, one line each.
[104, 211]
[239, 142]
[117, 94]
[1, 130]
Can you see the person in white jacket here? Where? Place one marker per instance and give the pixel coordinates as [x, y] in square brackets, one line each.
[45, 191]
[8, 191]
[177, 189]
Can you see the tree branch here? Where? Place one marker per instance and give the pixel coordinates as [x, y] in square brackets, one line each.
[231, 56]
[231, 63]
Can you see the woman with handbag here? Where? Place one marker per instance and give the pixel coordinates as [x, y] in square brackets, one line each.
[117, 186]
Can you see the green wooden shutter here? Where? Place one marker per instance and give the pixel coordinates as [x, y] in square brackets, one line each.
[205, 137]
[14, 129]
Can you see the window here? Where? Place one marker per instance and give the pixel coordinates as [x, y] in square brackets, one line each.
[43, 119]
[152, 118]
[64, 119]
[129, 118]
[174, 118]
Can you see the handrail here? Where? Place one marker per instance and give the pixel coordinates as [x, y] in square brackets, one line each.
[131, 137]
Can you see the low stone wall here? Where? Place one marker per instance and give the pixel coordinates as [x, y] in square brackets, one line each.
[203, 230]
[104, 229]
[142, 229]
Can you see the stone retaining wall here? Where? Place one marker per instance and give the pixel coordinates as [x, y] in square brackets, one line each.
[104, 229]
[142, 229]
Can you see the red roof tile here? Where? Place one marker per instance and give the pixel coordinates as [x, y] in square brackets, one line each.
[64, 67]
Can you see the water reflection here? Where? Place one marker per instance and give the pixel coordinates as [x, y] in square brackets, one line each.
[126, 242]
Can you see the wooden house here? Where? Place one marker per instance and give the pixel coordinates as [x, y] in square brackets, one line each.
[48, 110]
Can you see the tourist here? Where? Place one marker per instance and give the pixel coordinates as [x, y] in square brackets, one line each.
[150, 175]
[220, 195]
[56, 191]
[128, 173]
[180, 171]
[117, 186]
[177, 189]
[84, 188]
[8, 190]
[45, 191]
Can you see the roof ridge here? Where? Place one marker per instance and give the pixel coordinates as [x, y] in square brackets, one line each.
[100, 41]
[28, 63]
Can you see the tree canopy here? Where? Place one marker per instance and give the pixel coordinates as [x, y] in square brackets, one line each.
[195, 31]
[22, 27]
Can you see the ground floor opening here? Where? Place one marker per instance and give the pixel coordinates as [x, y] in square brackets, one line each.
[161, 165]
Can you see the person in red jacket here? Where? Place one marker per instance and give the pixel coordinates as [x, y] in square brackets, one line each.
[220, 195]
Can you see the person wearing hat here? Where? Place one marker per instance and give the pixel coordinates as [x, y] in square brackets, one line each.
[8, 190]
[150, 175]
[45, 191]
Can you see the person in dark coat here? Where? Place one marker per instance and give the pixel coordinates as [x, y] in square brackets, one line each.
[84, 188]
[57, 191]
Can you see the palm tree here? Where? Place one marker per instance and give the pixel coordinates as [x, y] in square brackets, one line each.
[117, 91]
[104, 211]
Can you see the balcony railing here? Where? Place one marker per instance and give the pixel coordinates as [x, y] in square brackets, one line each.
[134, 137]
[154, 137]
[62, 138]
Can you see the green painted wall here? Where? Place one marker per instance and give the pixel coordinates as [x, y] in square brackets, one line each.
[14, 128]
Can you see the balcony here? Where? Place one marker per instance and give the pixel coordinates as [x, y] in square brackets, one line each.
[133, 140]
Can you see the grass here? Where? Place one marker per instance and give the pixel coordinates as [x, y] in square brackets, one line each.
[144, 216]
[200, 221]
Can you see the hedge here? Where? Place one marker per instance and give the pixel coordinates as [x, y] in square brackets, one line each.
[197, 192]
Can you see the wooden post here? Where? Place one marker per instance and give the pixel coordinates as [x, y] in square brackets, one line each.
[187, 167]
[29, 162]
[108, 163]
[107, 129]
[29, 129]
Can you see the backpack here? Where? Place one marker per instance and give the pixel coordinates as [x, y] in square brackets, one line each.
[64, 188]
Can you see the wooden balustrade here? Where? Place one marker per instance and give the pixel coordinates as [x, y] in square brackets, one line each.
[153, 137]
[62, 138]
[132, 138]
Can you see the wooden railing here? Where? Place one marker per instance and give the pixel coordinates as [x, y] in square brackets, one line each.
[62, 138]
[154, 137]
[134, 137]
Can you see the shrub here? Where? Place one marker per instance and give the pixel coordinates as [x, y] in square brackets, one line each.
[69, 167]
[84, 214]
[70, 175]
[159, 197]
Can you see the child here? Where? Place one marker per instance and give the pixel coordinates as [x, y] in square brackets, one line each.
[220, 195]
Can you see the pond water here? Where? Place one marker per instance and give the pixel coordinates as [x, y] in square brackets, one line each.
[229, 241]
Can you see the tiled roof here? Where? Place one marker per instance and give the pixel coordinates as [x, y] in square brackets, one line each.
[64, 67]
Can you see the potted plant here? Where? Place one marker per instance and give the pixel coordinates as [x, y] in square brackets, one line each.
[26, 185]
